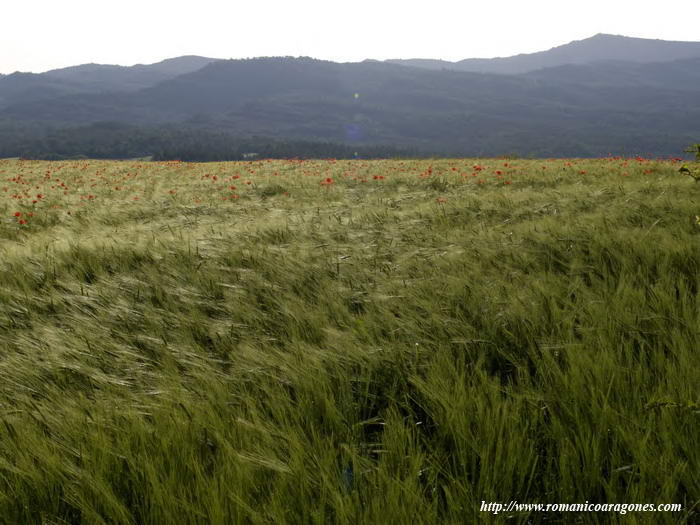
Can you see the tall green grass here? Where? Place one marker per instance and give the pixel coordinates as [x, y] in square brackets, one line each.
[352, 352]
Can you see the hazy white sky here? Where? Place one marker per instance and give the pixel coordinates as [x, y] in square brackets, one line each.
[38, 35]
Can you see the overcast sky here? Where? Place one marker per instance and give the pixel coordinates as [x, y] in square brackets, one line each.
[40, 35]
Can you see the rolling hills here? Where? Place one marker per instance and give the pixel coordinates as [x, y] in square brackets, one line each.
[600, 47]
[641, 99]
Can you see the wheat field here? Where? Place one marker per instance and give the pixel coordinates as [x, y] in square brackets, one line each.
[350, 341]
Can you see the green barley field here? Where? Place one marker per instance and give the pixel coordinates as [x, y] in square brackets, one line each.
[348, 342]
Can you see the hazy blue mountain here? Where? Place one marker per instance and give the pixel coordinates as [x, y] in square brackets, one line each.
[425, 63]
[572, 110]
[683, 75]
[596, 48]
[122, 78]
[24, 87]
[92, 78]
[569, 109]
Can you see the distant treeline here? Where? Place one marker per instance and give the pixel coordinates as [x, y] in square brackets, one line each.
[122, 141]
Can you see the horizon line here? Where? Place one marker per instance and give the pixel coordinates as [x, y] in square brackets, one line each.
[340, 61]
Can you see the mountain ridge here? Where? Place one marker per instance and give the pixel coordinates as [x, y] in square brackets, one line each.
[574, 108]
[601, 46]
[94, 78]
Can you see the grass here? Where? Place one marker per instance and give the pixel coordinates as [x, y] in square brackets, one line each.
[347, 341]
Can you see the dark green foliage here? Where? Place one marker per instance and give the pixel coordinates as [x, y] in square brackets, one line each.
[112, 140]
